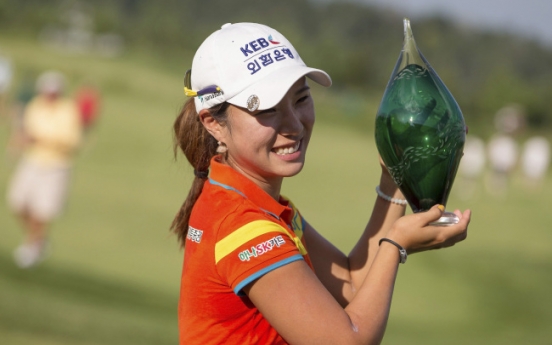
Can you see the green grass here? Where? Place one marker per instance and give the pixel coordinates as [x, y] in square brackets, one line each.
[113, 274]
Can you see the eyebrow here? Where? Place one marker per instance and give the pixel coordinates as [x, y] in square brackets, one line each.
[304, 88]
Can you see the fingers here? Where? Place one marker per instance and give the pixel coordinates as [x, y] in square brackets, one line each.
[465, 218]
[450, 241]
[442, 236]
[432, 214]
[415, 233]
[467, 215]
[460, 214]
[455, 239]
[457, 232]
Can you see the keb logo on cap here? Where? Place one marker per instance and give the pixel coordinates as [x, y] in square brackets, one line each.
[259, 57]
[255, 46]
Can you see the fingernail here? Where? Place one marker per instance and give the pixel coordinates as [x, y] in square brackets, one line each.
[441, 207]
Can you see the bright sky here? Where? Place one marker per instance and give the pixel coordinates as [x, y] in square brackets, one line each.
[528, 18]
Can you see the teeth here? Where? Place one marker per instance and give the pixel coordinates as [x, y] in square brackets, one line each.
[288, 150]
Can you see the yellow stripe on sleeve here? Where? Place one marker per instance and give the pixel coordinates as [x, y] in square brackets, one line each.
[247, 233]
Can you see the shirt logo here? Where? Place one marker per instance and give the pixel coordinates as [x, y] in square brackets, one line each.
[194, 234]
[261, 248]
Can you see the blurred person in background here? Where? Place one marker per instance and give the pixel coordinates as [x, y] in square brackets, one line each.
[5, 81]
[471, 167]
[255, 271]
[38, 190]
[503, 149]
[535, 159]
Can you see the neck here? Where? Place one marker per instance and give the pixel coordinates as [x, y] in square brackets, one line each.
[273, 189]
[271, 186]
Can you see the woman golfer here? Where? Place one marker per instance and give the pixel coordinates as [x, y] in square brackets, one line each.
[255, 271]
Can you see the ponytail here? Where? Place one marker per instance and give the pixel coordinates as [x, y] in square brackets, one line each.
[199, 147]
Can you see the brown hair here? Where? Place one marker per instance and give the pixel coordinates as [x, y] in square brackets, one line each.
[199, 147]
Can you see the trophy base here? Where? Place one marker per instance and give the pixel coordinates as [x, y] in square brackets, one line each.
[448, 218]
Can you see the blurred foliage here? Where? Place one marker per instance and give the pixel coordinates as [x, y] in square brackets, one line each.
[357, 44]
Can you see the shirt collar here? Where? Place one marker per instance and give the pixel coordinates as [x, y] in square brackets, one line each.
[226, 175]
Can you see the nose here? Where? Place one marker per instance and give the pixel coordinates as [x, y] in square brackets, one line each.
[292, 123]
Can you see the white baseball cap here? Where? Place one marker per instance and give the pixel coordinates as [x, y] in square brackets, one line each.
[246, 64]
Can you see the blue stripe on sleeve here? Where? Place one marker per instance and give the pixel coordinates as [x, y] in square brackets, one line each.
[258, 274]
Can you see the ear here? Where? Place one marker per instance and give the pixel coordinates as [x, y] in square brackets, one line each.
[211, 124]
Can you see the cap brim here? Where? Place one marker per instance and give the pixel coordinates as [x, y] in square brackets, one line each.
[271, 89]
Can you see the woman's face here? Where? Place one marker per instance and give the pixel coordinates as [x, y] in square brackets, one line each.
[268, 145]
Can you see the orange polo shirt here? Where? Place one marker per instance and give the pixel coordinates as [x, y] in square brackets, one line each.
[237, 233]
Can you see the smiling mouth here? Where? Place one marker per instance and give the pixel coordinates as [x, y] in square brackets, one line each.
[288, 149]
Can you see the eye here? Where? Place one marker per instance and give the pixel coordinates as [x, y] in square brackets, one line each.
[267, 111]
[303, 99]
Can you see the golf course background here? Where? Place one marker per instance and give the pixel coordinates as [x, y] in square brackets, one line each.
[114, 269]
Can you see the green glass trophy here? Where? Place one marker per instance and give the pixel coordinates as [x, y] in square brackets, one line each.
[420, 131]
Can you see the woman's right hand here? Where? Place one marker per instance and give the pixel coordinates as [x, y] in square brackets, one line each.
[415, 234]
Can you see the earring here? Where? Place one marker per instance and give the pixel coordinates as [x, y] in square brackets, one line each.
[221, 147]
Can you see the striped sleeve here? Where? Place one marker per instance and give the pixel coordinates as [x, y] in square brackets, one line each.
[253, 250]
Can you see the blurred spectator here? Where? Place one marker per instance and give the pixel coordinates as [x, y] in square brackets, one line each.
[5, 80]
[535, 159]
[38, 190]
[503, 149]
[471, 166]
[503, 155]
[88, 102]
[510, 119]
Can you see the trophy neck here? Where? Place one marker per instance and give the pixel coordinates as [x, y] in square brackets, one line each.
[410, 53]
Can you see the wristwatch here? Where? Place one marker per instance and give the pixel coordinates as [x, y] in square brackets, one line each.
[402, 255]
[402, 252]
